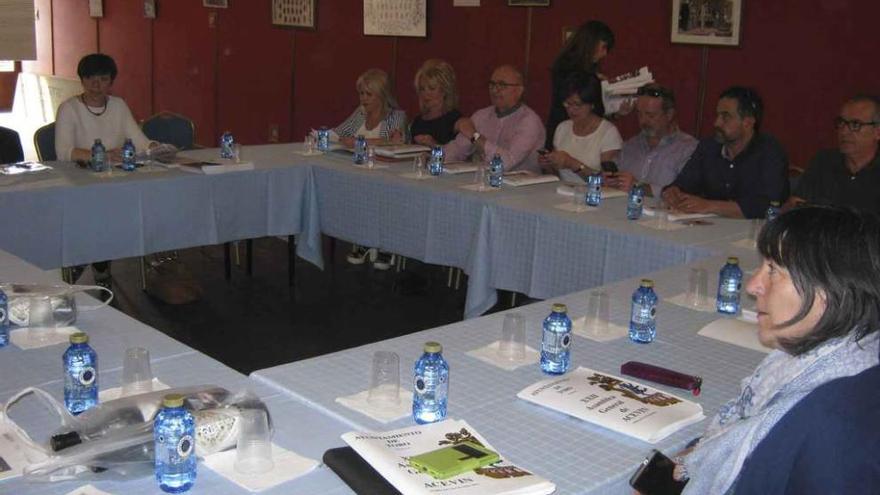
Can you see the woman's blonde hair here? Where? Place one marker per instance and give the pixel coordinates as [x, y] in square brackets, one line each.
[438, 72]
[376, 81]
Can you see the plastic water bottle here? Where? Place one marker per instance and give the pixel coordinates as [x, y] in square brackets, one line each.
[226, 142]
[496, 171]
[642, 322]
[435, 162]
[556, 341]
[128, 152]
[594, 189]
[323, 139]
[635, 202]
[80, 374]
[729, 287]
[430, 385]
[360, 150]
[99, 156]
[4, 319]
[174, 431]
[773, 210]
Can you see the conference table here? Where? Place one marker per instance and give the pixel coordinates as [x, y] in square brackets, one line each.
[513, 238]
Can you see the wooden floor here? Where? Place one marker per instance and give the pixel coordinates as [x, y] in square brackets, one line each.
[255, 322]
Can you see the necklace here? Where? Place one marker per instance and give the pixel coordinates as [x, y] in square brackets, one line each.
[96, 114]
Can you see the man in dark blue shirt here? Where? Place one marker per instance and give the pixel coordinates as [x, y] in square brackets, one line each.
[738, 172]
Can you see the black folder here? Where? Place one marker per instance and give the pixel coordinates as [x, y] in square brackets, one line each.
[357, 473]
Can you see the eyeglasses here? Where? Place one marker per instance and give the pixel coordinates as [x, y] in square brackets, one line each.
[501, 85]
[852, 125]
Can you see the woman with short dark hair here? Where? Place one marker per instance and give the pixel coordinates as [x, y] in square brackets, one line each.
[96, 114]
[818, 302]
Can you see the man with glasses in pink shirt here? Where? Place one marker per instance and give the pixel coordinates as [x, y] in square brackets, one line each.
[509, 127]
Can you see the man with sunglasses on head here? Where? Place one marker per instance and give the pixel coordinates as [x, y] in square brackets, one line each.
[850, 174]
[739, 172]
[657, 154]
[508, 127]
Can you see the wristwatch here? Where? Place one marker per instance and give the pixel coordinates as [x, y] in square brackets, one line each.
[475, 137]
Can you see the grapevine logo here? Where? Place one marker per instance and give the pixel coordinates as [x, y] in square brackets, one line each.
[185, 446]
[87, 376]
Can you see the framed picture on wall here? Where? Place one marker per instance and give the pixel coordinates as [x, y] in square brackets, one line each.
[396, 18]
[706, 22]
[217, 4]
[294, 13]
[528, 3]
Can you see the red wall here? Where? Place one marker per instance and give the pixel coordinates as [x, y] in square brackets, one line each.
[240, 73]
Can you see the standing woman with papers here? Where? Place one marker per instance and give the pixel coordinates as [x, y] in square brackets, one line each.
[582, 53]
[818, 303]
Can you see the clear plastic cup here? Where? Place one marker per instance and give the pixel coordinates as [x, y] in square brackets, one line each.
[598, 312]
[137, 376]
[253, 454]
[698, 287]
[384, 379]
[512, 345]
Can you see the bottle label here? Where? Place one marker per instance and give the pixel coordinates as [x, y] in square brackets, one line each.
[185, 446]
[87, 376]
[643, 314]
[554, 343]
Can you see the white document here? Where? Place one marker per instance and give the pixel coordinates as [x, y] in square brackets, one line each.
[517, 180]
[615, 403]
[388, 452]
[736, 331]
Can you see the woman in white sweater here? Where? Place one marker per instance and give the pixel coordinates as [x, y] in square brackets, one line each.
[95, 114]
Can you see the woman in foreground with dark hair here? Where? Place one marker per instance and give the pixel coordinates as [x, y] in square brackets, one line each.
[818, 302]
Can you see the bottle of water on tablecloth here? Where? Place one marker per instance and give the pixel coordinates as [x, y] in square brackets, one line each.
[594, 189]
[642, 323]
[360, 150]
[4, 319]
[80, 374]
[430, 385]
[99, 156]
[174, 430]
[729, 287]
[635, 202]
[226, 142]
[435, 161]
[556, 341]
[496, 171]
[773, 210]
[128, 152]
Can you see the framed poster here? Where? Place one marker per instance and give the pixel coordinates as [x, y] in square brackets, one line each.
[706, 22]
[294, 13]
[396, 18]
[217, 4]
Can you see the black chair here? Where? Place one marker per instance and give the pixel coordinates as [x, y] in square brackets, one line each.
[171, 128]
[44, 142]
[10, 146]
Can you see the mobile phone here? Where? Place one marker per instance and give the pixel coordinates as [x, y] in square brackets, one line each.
[452, 460]
[654, 476]
[609, 167]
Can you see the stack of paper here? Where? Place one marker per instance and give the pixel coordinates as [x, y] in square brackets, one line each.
[615, 403]
[388, 452]
[617, 90]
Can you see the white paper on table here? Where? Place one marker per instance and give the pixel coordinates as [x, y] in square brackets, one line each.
[288, 466]
[576, 208]
[734, 331]
[88, 490]
[116, 392]
[653, 223]
[22, 338]
[707, 305]
[416, 176]
[579, 327]
[480, 188]
[489, 354]
[383, 413]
